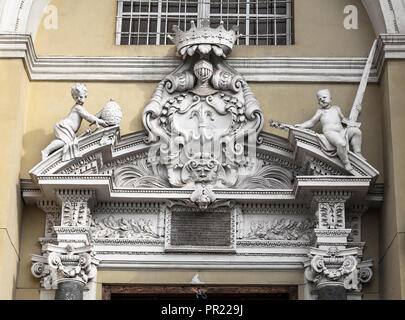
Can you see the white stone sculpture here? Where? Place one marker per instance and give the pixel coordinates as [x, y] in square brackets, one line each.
[335, 138]
[203, 122]
[334, 266]
[65, 129]
[61, 264]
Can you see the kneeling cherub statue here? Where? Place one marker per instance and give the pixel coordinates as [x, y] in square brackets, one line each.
[335, 138]
[65, 129]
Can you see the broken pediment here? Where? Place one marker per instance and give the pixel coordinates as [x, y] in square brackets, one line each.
[202, 178]
[203, 141]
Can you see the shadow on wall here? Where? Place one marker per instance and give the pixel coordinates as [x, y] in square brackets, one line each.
[33, 142]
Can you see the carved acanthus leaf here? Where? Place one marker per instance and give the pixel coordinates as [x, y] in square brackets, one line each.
[281, 229]
[128, 228]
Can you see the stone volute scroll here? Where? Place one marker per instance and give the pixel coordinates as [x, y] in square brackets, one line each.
[201, 187]
[66, 129]
[203, 120]
[69, 263]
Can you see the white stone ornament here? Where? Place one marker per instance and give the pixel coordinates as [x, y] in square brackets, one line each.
[203, 122]
[202, 161]
[66, 129]
[335, 138]
[111, 113]
[338, 132]
[204, 40]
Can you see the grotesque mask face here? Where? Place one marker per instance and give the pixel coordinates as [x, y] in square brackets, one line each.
[203, 70]
[203, 168]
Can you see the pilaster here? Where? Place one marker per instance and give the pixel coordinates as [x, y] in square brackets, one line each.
[71, 263]
[334, 269]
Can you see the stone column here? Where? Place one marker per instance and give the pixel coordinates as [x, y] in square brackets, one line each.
[69, 264]
[74, 268]
[333, 267]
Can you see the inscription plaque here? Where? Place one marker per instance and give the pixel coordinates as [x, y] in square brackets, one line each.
[206, 230]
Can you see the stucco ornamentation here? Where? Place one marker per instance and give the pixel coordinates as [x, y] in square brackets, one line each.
[65, 129]
[42, 271]
[280, 229]
[339, 266]
[203, 123]
[330, 209]
[75, 207]
[74, 263]
[68, 263]
[112, 228]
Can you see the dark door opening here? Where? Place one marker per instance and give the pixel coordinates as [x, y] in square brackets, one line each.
[190, 292]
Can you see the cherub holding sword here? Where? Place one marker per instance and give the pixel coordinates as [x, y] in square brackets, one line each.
[335, 138]
[338, 131]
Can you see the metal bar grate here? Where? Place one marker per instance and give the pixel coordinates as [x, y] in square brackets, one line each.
[148, 22]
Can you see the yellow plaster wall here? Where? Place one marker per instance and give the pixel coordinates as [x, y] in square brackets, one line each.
[8, 266]
[33, 227]
[370, 235]
[14, 87]
[87, 28]
[392, 248]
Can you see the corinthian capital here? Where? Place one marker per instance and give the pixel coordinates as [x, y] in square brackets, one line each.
[60, 264]
[72, 263]
[338, 266]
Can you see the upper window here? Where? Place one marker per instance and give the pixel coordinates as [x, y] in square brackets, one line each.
[261, 22]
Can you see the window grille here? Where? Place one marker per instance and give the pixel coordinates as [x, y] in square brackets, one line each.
[261, 22]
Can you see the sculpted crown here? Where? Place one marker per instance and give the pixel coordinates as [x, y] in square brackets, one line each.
[218, 39]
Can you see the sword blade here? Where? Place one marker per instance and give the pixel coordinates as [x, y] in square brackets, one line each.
[356, 108]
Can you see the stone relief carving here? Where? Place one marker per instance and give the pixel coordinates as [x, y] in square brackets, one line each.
[121, 227]
[65, 129]
[333, 266]
[138, 175]
[280, 229]
[332, 215]
[75, 207]
[74, 213]
[68, 263]
[338, 266]
[53, 216]
[89, 165]
[77, 263]
[330, 209]
[353, 222]
[42, 271]
[52, 220]
[203, 123]
[320, 168]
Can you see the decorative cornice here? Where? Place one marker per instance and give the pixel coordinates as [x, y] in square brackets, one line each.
[257, 69]
[390, 46]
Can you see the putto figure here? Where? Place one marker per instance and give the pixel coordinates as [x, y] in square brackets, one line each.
[335, 138]
[65, 129]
